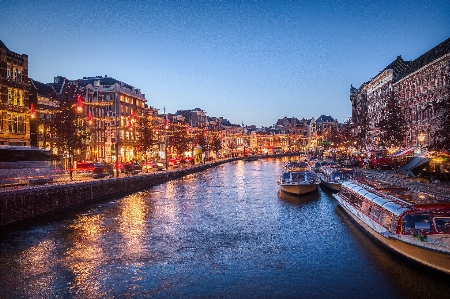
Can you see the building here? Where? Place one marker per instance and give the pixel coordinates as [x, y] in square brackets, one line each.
[416, 85]
[14, 101]
[44, 105]
[114, 108]
[423, 82]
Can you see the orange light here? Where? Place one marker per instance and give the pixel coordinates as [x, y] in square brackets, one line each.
[32, 111]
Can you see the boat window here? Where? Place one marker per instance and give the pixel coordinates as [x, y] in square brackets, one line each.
[374, 213]
[414, 222]
[286, 176]
[298, 177]
[442, 224]
[386, 220]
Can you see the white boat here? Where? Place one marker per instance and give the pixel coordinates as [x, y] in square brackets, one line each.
[297, 178]
[415, 225]
[332, 177]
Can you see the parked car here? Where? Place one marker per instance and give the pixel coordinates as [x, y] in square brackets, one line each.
[151, 166]
[173, 162]
[187, 160]
[132, 168]
[101, 170]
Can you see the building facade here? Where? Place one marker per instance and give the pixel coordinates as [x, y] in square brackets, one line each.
[415, 85]
[14, 101]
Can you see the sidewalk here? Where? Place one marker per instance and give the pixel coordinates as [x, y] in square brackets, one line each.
[440, 189]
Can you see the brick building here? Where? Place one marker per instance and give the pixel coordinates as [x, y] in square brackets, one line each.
[14, 102]
[416, 85]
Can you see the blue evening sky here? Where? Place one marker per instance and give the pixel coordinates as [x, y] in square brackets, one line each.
[248, 61]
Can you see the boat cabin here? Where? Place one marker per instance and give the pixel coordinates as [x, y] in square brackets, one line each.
[294, 177]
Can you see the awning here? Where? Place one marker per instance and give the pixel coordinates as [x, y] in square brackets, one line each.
[414, 166]
[403, 152]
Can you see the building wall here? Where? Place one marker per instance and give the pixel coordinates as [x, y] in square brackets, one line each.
[417, 92]
[14, 102]
[416, 84]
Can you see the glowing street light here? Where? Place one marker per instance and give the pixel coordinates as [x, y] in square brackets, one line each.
[79, 103]
[421, 139]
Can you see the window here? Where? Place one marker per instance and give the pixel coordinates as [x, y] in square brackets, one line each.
[15, 94]
[10, 96]
[3, 119]
[442, 224]
[20, 124]
[12, 124]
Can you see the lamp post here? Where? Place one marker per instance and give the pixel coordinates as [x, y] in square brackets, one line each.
[421, 139]
[166, 126]
[116, 142]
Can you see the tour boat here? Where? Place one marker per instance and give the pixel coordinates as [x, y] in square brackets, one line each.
[332, 176]
[416, 225]
[297, 178]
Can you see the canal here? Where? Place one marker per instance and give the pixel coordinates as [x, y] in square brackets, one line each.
[222, 233]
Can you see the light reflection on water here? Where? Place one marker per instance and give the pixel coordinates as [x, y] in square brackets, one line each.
[224, 233]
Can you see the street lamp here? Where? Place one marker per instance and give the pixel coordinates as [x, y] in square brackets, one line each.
[421, 139]
[166, 126]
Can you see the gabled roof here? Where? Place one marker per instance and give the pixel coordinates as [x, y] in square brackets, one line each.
[43, 88]
[325, 118]
[398, 66]
[185, 113]
[2, 45]
[103, 81]
[433, 54]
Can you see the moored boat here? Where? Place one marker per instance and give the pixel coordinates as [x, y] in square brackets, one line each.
[297, 178]
[332, 177]
[415, 225]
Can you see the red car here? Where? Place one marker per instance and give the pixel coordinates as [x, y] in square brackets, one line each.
[381, 160]
[187, 160]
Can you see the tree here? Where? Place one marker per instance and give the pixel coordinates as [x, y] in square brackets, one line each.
[392, 124]
[361, 128]
[178, 138]
[69, 126]
[216, 143]
[147, 136]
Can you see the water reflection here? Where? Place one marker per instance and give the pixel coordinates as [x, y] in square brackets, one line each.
[84, 255]
[299, 199]
[131, 223]
[223, 233]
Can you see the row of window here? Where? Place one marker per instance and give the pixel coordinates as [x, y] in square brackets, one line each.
[13, 123]
[14, 73]
[15, 97]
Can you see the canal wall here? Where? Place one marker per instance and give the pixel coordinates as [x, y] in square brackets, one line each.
[20, 205]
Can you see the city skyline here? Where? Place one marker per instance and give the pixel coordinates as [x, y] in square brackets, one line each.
[251, 62]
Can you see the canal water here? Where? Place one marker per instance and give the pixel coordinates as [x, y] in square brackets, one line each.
[223, 233]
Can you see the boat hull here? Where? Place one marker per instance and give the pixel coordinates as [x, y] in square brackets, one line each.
[299, 189]
[407, 246]
[330, 185]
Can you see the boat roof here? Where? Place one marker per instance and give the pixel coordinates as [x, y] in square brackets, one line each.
[389, 203]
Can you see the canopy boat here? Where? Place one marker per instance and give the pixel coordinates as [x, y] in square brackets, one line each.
[298, 182]
[332, 177]
[416, 225]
